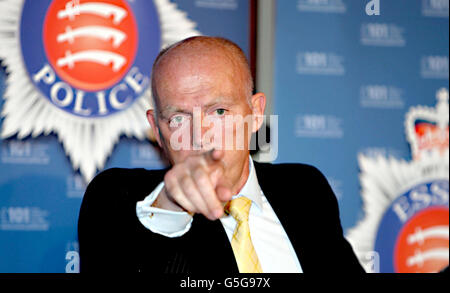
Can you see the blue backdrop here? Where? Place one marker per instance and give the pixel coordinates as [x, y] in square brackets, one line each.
[344, 80]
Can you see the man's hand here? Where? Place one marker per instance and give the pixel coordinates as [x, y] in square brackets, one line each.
[197, 186]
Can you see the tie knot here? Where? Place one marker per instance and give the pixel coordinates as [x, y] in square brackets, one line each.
[239, 208]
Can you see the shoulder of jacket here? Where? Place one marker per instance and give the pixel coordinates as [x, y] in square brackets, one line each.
[116, 183]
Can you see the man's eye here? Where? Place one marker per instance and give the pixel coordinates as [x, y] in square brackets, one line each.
[175, 121]
[220, 112]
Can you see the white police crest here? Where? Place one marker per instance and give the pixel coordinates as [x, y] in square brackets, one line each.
[406, 203]
[81, 69]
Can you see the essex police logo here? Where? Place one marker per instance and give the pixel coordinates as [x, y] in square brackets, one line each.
[406, 204]
[81, 69]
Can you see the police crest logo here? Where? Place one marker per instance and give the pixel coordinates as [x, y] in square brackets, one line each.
[81, 69]
[406, 204]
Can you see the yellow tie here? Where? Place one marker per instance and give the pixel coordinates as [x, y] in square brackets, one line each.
[241, 243]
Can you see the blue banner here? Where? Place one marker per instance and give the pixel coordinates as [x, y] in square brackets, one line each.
[346, 74]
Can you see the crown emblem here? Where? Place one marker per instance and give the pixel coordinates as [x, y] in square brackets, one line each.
[427, 127]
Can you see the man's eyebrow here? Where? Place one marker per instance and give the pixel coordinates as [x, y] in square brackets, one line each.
[174, 109]
[219, 100]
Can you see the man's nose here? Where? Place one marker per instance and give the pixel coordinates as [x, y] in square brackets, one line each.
[198, 132]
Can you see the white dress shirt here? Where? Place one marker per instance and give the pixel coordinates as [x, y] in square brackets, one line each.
[271, 243]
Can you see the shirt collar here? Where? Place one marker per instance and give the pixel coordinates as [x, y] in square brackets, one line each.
[251, 189]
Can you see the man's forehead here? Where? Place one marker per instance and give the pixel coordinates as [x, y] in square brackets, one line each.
[203, 81]
[191, 75]
[188, 106]
[196, 66]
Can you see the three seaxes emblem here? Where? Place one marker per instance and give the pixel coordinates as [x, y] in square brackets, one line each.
[81, 69]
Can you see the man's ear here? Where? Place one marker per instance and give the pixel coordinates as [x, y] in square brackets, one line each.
[152, 120]
[258, 106]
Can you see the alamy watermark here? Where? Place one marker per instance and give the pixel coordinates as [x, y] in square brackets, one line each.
[373, 7]
[224, 132]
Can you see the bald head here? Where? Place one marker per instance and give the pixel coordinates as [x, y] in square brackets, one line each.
[201, 53]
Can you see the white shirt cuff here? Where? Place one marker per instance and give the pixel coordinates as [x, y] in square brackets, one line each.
[164, 222]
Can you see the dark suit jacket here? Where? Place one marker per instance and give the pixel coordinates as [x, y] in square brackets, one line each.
[111, 238]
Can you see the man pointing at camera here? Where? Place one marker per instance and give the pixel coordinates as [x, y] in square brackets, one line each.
[214, 209]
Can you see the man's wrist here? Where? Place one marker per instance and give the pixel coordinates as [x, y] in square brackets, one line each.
[162, 201]
[169, 221]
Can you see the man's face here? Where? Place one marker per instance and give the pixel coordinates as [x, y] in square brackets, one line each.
[202, 104]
